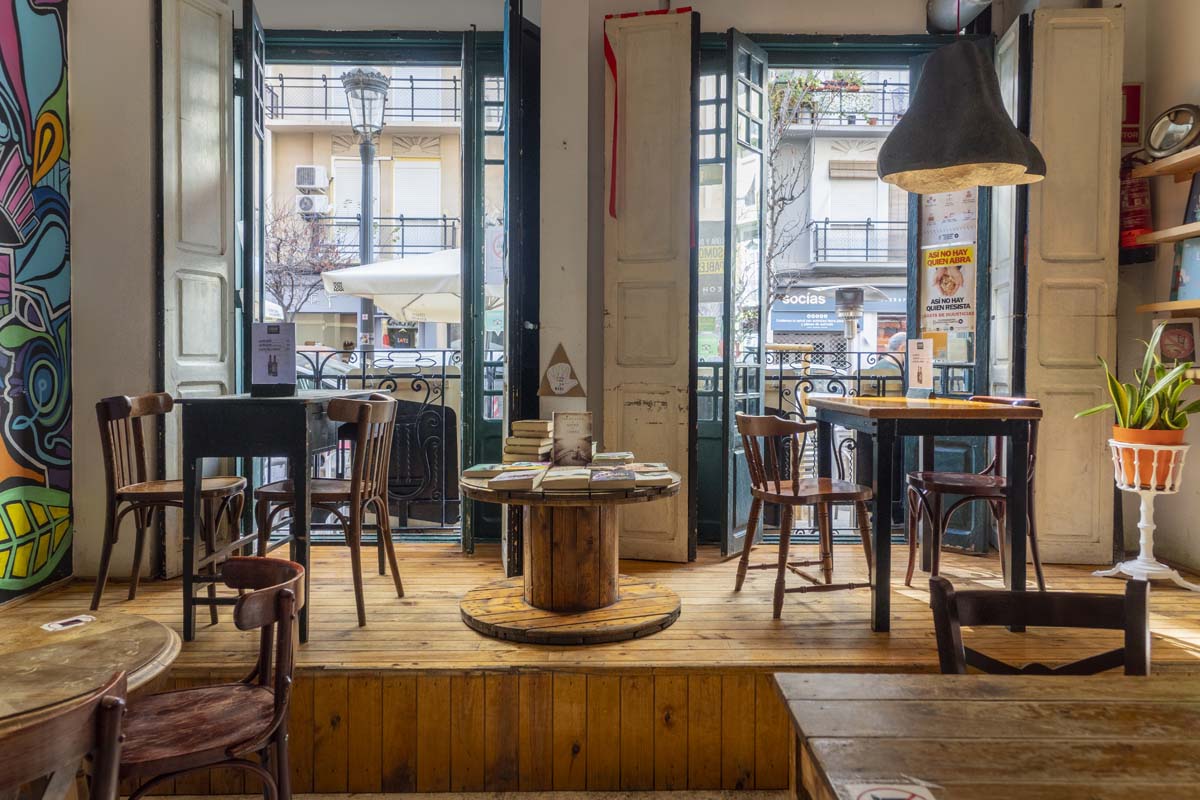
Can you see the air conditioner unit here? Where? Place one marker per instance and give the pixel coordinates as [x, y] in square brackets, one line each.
[311, 176]
[312, 203]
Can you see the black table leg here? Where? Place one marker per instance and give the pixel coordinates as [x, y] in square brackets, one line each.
[925, 463]
[884, 454]
[824, 449]
[1017, 513]
[192, 470]
[298, 465]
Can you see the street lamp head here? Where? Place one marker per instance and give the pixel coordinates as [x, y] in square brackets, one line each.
[366, 96]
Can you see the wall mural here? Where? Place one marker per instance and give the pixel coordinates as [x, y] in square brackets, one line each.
[35, 297]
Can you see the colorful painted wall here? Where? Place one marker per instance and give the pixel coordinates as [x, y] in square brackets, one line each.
[35, 297]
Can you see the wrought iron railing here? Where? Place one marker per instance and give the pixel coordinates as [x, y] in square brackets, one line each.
[423, 474]
[395, 237]
[859, 240]
[321, 97]
[833, 103]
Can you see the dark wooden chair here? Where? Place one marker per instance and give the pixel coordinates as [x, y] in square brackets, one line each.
[774, 449]
[50, 745]
[130, 491]
[927, 490]
[366, 488]
[1129, 613]
[173, 733]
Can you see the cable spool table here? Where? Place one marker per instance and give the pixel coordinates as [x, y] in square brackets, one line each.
[571, 591]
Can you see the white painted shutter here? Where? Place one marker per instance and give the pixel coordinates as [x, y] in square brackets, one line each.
[347, 187]
[1072, 275]
[418, 187]
[199, 235]
[647, 257]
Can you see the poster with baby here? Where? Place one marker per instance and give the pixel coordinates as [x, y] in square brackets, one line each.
[948, 288]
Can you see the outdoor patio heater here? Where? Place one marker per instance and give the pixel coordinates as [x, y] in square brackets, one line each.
[366, 98]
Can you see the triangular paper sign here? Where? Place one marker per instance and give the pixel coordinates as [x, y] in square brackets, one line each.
[559, 379]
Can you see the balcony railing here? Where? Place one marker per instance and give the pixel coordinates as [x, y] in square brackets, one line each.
[832, 104]
[321, 97]
[395, 237]
[859, 240]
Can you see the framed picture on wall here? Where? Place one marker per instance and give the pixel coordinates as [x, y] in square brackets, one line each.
[1178, 341]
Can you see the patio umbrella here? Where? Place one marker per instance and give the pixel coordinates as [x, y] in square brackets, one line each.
[424, 288]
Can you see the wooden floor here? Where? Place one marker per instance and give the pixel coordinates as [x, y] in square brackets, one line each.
[417, 701]
[717, 628]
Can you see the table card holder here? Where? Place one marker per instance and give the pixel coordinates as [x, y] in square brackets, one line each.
[1149, 470]
[920, 369]
[273, 359]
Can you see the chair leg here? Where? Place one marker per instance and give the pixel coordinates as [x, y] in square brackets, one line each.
[139, 547]
[354, 539]
[748, 545]
[785, 536]
[210, 546]
[825, 535]
[998, 510]
[261, 510]
[864, 532]
[385, 537]
[283, 775]
[914, 517]
[935, 531]
[1033, 546]
[110, 539]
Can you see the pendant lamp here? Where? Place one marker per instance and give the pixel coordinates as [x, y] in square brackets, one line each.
[956, 133]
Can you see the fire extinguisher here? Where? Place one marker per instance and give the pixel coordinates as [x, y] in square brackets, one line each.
[1135, 212]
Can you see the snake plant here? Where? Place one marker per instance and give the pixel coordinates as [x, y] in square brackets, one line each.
[1154, 401]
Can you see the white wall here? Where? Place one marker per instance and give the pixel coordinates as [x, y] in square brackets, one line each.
[410, 15]
[112, 238]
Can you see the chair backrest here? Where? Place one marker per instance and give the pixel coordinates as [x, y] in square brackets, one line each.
[774, 448]
[273, 596]
[998, 443]
[374, 421]
[122, 440]
[56, 740]
[1129, 613]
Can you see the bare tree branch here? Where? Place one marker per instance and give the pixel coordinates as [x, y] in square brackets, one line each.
[298, 248]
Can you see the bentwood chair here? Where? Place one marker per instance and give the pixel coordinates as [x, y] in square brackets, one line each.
[373, 422]
[1129, 613]
[129, 490]
[53, 742]
[927, 490]
[173, 733]
[774, 449]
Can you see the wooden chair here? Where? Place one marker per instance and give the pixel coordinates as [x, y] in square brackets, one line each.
[373, 420]
[55, 741]
[1130, 613]
[768, 441]
[130, 491]
[173, 733]
[926, 491]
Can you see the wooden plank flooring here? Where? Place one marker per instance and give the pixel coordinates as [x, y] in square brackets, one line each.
[717, 629]
[417, 701]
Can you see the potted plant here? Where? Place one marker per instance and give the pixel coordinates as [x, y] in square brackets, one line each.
[1149, 411]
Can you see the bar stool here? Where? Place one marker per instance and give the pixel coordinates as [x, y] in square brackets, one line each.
[926, 491]
[765, 440]
[373, 422]
[128, 490]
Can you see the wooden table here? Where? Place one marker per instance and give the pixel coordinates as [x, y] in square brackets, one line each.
[238, 425]
[571, 591]
[886, 421]
[984, 737]
[44, 668]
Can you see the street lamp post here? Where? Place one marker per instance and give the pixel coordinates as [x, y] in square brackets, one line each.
[366, 98]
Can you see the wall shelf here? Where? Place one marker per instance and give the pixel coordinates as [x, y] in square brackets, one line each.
[1182, 165]
[1167, 235]
[1171, 306]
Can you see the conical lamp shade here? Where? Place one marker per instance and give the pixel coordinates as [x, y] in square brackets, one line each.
[956, 133]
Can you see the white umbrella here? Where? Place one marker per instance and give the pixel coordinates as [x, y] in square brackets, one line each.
[424, 288]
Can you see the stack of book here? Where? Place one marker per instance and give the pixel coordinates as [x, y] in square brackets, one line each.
[531, 440]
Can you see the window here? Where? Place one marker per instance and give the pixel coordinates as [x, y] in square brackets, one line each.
[417, 187]
[347, 187]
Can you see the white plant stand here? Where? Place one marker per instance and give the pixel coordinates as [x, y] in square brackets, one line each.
[1153, 459]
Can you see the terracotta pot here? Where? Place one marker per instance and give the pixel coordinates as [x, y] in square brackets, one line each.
[1151, 471]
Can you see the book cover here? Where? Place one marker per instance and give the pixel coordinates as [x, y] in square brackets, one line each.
[531, 427]
[648, 466]
[483, 471]
[613, 479]
[572, 439]
[614, 459]
[1185, 283]
[517, 480]
[566, 478]
[654, 479]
